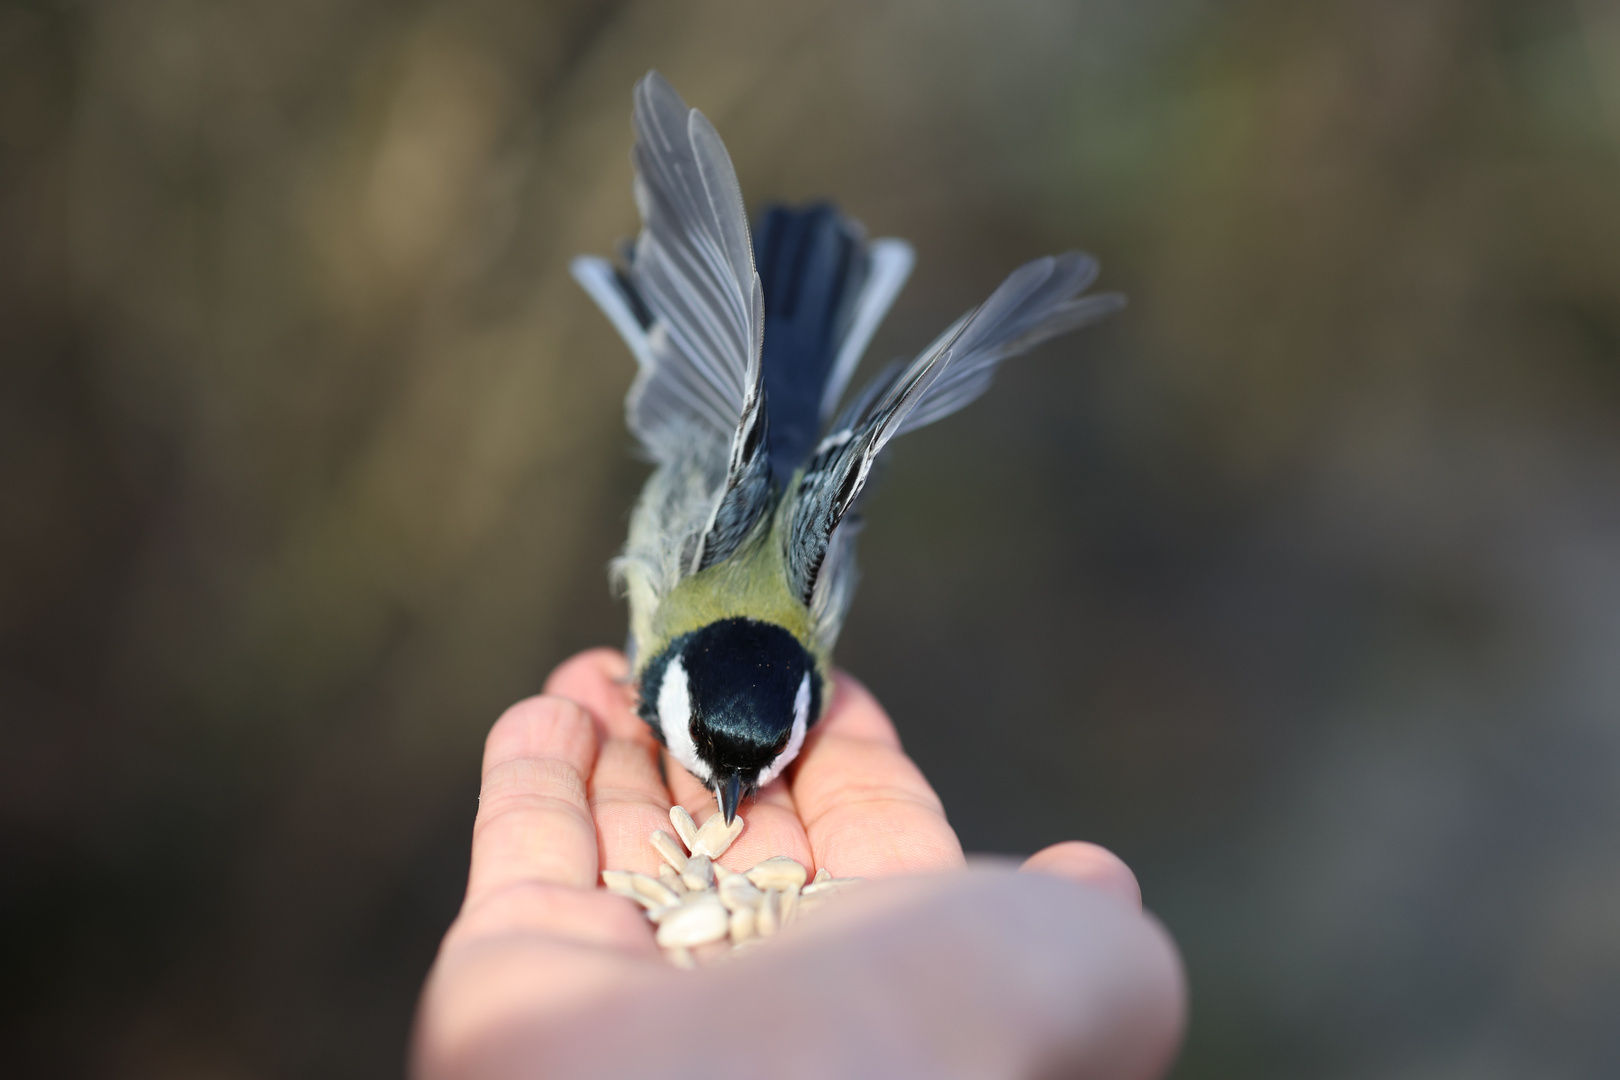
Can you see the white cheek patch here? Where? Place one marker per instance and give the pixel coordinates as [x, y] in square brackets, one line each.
[675, 720]
[801, 721]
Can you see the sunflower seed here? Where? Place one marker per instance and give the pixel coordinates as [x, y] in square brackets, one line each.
[765, 914]
[779, 872]
[653, 889]
[699, 873]
[739, 893]
[702, 910]
[670, 849]
[715, 835]
[789, 904]
[662, 911]
[733, 882]
[647, 902]
[695, 923]
[671, 880]
[831, 885]
[685, 827]
[807, 904]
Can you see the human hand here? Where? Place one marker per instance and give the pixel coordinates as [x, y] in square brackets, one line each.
[953, 973]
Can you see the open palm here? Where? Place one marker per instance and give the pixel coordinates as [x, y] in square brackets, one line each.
[972, 974]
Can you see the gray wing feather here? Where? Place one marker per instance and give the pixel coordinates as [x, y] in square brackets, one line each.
[837, 471]
[692, 312]
[889, 263]
[694, 268]
[1038, 301]
[835, 584]
[596, 276]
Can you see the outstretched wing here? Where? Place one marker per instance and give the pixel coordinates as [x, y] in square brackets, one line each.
[1038, 301]
[691, 309]
[694, 269]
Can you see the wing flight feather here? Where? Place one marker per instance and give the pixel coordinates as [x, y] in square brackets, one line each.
[694, 268]
[691, 308]
[889, 263]
[1038, 301]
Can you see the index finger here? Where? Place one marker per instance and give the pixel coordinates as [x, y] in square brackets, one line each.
[867, 809]
[627, 793]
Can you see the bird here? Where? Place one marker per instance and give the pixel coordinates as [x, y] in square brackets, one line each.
[739, 567]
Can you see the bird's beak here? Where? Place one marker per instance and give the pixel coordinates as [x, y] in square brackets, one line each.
[727, 791]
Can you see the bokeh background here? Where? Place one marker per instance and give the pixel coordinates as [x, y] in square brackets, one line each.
[1298, 584]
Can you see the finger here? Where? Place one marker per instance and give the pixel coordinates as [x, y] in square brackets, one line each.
[599, 680]
[1089, 865]
[534, 824]
[867, 809]
[628, 796]
[771, 823]
[593, 918]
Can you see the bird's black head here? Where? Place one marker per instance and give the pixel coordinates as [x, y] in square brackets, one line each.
[732, 701]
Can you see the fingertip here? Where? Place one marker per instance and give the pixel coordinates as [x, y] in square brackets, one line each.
[1088, 864]
[534, 818]
[593, 669]
[599, 680]
[543, 727]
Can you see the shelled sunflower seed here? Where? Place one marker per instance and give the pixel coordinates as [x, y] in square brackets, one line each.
[697, 904]
[670, 848]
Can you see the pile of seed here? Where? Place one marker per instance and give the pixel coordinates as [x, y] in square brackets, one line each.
[697, 904]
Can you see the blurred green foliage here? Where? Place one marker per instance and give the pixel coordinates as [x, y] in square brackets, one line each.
[1298, 584]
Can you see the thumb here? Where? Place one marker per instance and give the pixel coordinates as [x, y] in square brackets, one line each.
[962, 975]
[986, 973]
[1087, 864]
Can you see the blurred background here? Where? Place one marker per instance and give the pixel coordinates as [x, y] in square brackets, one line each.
[1298, 584]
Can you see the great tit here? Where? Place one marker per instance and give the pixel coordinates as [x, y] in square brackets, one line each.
[740, 563]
